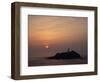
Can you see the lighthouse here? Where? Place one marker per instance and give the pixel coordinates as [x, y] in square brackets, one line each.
[68, 50]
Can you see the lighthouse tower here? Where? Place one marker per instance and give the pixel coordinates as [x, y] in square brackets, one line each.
[68, 50]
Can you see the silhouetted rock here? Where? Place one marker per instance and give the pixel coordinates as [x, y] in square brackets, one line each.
[66, 55]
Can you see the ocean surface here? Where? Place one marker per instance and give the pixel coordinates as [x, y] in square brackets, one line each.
[46, 62]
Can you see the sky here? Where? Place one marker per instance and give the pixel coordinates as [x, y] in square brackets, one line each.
[48, 35]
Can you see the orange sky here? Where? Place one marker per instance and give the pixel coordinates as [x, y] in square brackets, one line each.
[56, 30]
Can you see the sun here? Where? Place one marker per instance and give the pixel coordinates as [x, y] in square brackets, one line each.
[46, 46]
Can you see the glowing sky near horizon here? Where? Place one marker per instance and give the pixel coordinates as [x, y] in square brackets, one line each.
[48, 35]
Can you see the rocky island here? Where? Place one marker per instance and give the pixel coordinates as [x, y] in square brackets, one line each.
[66, 55]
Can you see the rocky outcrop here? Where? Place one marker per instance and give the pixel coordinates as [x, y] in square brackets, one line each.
[66, 55]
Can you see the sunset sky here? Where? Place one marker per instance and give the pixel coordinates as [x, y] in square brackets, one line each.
[48, 35]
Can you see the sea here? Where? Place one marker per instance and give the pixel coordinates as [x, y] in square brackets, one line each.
[44, 61]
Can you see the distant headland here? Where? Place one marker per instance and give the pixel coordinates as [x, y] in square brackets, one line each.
[69, 54]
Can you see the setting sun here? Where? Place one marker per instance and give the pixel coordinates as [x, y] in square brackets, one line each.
[46, 46]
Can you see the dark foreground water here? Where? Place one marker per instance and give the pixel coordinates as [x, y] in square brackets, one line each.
[46, 62]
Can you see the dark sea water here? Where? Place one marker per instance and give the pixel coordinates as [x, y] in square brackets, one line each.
[45, 61]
